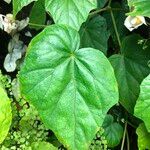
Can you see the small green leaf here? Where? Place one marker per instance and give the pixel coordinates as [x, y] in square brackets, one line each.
[5, 114]
[70, 12]
[94, 34]
[141, 7]
[113, 131]
[42, 146]
[71, 88]
[131, 67]
[38, 14]
[142, 107]
[19, 4]
[143, 137]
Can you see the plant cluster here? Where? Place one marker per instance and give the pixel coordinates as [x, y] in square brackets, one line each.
[75, 74]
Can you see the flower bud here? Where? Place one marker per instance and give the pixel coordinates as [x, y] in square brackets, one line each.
[132, 22]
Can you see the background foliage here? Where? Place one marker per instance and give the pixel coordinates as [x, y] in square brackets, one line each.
[74, 77]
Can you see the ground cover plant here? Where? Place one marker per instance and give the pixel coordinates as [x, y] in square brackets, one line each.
[74, 74]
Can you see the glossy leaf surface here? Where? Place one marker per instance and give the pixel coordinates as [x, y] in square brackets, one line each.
[142, 107]
[71, 88]
[131, 67]
[5, 114]
[143, 137]
[70, 12]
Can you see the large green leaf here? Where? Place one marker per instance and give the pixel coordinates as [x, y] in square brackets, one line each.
[71, 88]
[5, 114]
[142, 107]
[113, 131]
[70, 12]
[38, 14]
[143, 137]
[131, 67]
[19, 4]
[94, 34]
[141, 7]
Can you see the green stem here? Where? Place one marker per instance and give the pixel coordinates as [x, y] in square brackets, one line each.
[107, 8]
[131, 124]
[98, 11]
[148, 23]
[109, 3]
[124, 136]
[37, 25]
[117, 9]
[115, 28]
[128, 141]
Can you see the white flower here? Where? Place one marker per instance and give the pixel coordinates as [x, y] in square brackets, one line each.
[22, 24]
[1, 21]
[8, 1]
[10, 25]
[28, 34]
[132, 22]
[16, 49]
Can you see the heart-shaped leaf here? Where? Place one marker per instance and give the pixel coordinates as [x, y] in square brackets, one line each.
[142, 107]
[70, 12]
[71, 88]
[94, 34]
[131, 67]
